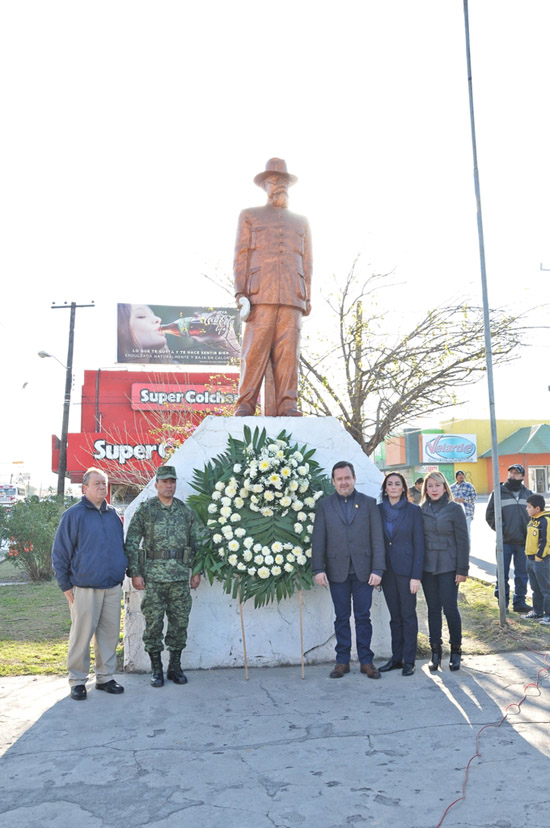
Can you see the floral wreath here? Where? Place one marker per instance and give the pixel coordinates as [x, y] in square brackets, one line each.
[257, 502]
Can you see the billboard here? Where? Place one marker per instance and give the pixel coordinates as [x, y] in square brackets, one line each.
[154, 396]
[449, 448]
[178, 335]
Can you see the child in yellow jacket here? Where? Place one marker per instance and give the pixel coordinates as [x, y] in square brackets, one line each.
[537, 551]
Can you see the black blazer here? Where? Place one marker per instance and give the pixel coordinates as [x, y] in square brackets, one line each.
[335, 543]
[405, 550]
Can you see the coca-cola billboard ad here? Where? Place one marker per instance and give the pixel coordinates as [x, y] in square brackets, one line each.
[178, 335]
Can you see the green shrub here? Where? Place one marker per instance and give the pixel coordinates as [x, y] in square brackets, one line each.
[30, 528]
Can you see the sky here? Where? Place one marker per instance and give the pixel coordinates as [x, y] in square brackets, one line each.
[132, 132]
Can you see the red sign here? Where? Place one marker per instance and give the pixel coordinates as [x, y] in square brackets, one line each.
[149, 396]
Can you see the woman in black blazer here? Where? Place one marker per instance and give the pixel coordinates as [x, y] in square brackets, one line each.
[404, 543]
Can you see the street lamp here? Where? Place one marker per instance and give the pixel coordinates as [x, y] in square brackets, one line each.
[44, 354]
[62, 468]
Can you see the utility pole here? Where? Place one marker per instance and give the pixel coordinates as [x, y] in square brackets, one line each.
[62, 469]
[488, 347]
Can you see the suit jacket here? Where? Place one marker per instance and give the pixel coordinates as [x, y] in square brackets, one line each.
[405, 549]
[273, 260]
[336, 543]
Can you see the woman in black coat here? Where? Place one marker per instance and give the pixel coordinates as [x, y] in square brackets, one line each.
[446, 562]
[404, 543]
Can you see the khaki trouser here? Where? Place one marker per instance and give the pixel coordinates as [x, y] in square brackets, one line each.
[95, 614]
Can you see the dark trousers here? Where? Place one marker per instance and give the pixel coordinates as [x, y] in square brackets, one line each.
[441, 593]
[539, 578]
[342, 595]
[403, 620]
[515, 551]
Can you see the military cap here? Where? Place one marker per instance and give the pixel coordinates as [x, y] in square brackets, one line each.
[164, 472]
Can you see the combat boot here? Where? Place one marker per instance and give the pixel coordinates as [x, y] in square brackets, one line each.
[157, 679]
[454, 662]
[175, 673]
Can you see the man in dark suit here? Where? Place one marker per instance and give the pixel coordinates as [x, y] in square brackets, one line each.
[272, 270]
[348, 556]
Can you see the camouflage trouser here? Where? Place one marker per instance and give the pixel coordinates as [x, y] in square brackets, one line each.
[174, 599]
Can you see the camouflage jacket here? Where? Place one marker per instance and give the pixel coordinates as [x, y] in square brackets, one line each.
[155, 528]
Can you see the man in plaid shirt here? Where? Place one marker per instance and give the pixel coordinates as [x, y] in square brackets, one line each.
[464, 493]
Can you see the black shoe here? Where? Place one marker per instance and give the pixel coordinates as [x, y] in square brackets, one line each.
[454, 661]
[110, 687]
[408, 669]
[435, 663]
[78, 692]
[390, 665]
[174, 672]
[522, 608]
[157, 679]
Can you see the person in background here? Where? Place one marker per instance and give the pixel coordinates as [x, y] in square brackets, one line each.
[537, 551]
[465, 493]
[513, 495]
[415, 493]
[404, 543]
[446, 563]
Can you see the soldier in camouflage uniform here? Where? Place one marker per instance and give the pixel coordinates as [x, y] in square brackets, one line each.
[161, 539]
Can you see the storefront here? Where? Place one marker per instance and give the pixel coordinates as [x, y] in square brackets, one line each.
[131, 420]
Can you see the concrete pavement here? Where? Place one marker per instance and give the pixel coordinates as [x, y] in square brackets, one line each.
[278, 751]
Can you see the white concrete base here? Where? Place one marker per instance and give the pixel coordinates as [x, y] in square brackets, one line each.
[273, 632]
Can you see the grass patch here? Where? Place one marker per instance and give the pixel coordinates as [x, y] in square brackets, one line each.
[34, 630]
[481, 630]
[9, 573]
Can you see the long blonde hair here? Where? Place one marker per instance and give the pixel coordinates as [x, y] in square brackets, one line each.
[435, 475]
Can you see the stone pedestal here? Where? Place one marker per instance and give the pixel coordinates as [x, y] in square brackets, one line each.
[272, 632]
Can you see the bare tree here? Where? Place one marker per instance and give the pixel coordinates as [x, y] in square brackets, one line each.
[375, 381]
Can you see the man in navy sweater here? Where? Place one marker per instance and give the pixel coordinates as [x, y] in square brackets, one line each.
[89, 565]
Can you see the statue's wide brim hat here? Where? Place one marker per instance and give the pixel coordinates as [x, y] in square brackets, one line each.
[275, 166]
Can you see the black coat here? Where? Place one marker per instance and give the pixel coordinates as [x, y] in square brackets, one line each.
[446, 539]
[405, 549]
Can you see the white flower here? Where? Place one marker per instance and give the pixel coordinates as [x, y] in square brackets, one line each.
[279, 559]
[286, 472]
[225, 511]
[233, 545]
[302, 517]
[301, 559]
[257, 547]
[317, 495]
[254, 499]
[235, 517]
[264, 466]
[277, 547]
[212, 508]
[247, 556]
[216, 495]
[288, 567]
[308, 553]
[232, 559]
[241, 566]
[273, 447]
[252, 570]
[231, 491]
[212, 523]
[258, 488]
[293, 485]
[298, 528]
[309, 528]
[222, 520]
[220, 486]
[226, 501]
[266, 511]
[297, 456]
[259, 559]
[266, 550]
[296, 550]
[269, 496]
[254, 508]
[310, 502]
[268, 559]
[301, 470]
[290, 557]
[217, 538]
[240, 532]
[238, 503]
[285, 501]
[274, 479]
[221, 553]
[303, 487]
[275, 570]
[297, 505]
[237, 468]
[227, 532]
[263, 572]
[244, 493]
[306, 538]
[247, 543]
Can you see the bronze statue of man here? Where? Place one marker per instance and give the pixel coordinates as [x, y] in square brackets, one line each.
[272, 270]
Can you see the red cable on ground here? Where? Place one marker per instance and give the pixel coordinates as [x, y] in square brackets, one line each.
[477, 754]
